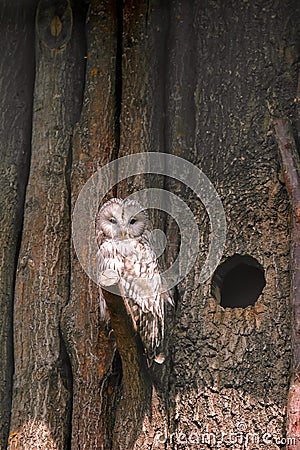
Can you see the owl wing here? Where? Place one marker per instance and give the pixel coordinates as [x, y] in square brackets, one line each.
[109, 269]
[109, 258]
[140, 283]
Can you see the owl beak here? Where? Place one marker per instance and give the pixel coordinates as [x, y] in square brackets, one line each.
[123, 234]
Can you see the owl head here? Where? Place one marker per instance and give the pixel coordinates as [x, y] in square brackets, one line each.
[122, 219]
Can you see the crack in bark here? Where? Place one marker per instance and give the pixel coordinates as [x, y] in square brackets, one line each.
[67, 377]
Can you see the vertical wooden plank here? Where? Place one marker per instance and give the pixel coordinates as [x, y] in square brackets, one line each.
[91, 348]
[42, 382]
[16, 86]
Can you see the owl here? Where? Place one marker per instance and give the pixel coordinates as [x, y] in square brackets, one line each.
[123, 235]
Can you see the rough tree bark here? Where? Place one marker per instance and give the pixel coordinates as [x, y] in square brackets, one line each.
[95, 380]
[200, 80]
[291, 172]
[16, 86]
[231, 366]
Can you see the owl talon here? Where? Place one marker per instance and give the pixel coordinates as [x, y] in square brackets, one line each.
[108, 277]
[160, 359]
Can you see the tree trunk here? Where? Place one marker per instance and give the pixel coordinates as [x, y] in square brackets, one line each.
[42, 381]
[16, 81]
[231, 365]
[95, 381]
[202, 81]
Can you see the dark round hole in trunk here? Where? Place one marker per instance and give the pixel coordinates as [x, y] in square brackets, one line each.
[238, 281]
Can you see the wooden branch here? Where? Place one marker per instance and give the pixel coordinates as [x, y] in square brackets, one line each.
[137, 387]
[291, 170]
[126, 339]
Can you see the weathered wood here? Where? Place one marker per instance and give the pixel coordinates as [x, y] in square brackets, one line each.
[42, 391]
[291, 172]
[16, 86]
[91, 348]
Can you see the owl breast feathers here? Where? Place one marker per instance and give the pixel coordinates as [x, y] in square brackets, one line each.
[123, 231]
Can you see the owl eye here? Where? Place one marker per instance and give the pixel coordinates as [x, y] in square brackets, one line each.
[113, 220]
[132, 221]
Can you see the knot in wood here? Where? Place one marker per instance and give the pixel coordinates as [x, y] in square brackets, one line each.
[56, 26]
